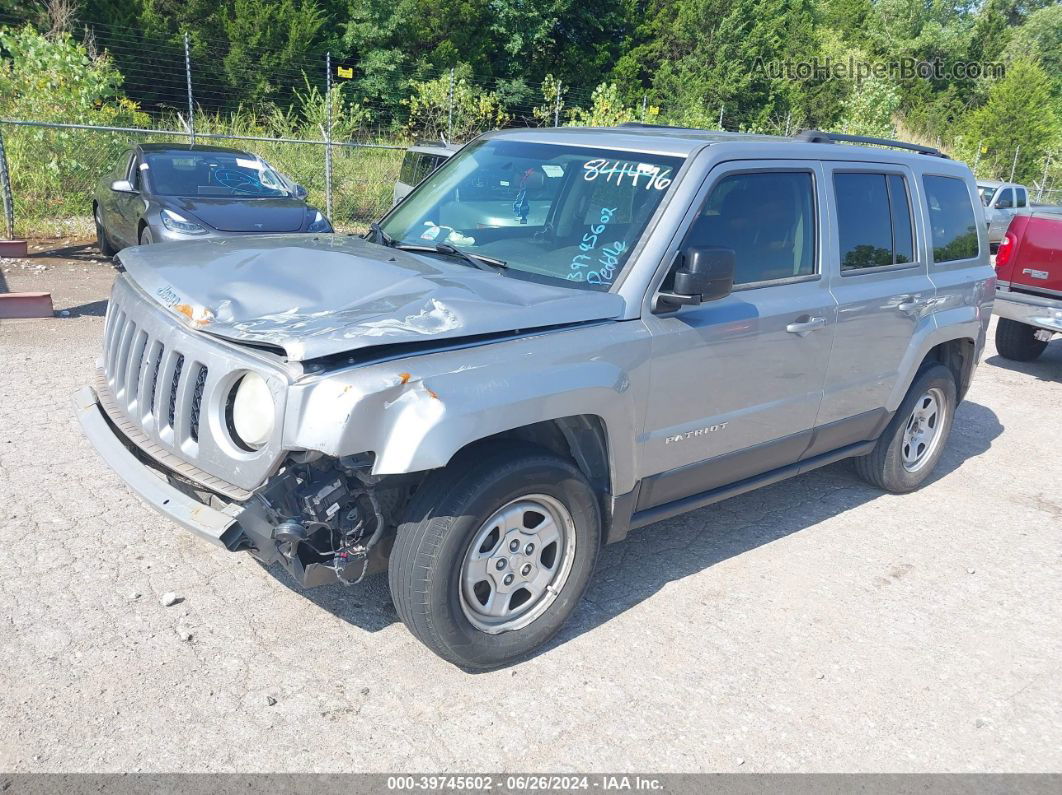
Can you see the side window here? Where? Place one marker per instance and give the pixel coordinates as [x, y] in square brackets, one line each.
[1022, 198]
[873, 220]
[408, 167]
[903, 234]
[951, 218]
[1006, 199]
[767, 218]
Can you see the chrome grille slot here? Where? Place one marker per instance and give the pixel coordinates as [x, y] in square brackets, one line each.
[122, 364]
[152, 387]
[197, 402]
[175, 382]
[132, 376]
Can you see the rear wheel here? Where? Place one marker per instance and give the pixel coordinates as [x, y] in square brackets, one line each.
[102, 242]
[496, 552]
[913, 441]
[1018, 341]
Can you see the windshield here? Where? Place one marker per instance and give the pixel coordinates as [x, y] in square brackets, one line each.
[550, 212]
[225, 174]
[986, 192]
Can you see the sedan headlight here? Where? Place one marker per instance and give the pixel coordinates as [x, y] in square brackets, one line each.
[253, 412]
[178, 223]
[319, 223]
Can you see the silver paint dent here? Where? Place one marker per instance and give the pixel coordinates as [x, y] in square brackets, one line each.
[317, 296]
[415, 413]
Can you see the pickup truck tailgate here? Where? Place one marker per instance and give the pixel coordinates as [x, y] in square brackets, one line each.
[1035, 262]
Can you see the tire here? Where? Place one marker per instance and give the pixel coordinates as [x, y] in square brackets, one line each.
[443, 571]
[103, 243]
[900, 462]
[1017, 341]
[146, 238]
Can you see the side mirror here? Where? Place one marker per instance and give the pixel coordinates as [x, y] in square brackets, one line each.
[1003, 204]
[122, 186]
[707, 274]
[300, 192]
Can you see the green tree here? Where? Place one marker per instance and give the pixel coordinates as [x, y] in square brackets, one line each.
[271, 43]
[1020, 116]
[437, 114]
[1039, 39]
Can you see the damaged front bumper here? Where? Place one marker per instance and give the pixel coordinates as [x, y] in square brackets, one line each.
[236, 526]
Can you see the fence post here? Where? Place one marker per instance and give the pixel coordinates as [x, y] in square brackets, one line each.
[188, 80]
[1014, 164]
[977, 157]
[645, 103]
[328, 135]
[450, 113]
[5, 189]
[721, 117]
[557, 104]
[1043, 179]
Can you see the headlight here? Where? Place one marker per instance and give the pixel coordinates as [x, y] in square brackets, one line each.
[253, 412]
[319, 223]
[178, 223]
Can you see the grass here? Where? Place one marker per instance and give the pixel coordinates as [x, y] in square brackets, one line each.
[54, 172]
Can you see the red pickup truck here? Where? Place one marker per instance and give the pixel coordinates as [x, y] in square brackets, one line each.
[1029, 286]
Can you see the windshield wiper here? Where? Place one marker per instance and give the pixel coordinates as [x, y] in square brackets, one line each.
[380, 236]
[475, 260]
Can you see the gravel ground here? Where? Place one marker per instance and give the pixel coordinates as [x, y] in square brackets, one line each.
[816, 625]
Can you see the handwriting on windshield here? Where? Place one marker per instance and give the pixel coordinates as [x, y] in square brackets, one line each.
[638, 174]
[603, 271]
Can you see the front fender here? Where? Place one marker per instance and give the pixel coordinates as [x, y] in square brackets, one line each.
[415, 414]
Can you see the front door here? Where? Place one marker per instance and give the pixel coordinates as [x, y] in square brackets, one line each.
[127, 207]
[736, 383]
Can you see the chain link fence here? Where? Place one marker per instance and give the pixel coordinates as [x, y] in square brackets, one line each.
[55, 170]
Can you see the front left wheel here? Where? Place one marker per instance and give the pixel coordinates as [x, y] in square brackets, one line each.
[496, 551]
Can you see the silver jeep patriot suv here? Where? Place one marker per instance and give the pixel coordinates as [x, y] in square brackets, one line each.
[666, 318]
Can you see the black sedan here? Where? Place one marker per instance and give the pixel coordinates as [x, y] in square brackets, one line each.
[163, 192]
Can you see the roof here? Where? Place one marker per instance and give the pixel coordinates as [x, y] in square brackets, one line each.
[192, 148]
[684, 141]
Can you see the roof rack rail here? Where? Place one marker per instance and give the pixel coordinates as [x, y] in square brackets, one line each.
[819, 137]
[647, 126]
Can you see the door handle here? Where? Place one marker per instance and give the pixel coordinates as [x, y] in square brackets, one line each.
[805, 327]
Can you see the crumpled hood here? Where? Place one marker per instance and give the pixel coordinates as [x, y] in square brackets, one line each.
[328, 294]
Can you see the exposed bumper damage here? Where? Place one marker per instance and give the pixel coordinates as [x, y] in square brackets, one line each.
[323, 520]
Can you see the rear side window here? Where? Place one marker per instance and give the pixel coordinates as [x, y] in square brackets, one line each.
[873, 220]
[951, 219]
[1023, 197]
[767, 218]
[409, 167]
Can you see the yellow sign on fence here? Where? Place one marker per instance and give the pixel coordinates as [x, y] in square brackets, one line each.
[346, 72]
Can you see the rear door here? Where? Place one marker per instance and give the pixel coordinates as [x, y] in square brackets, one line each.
[736, 383]
[879, 277]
